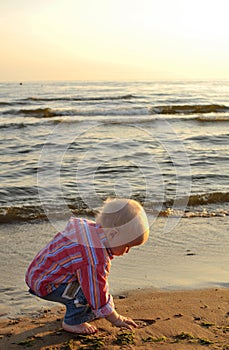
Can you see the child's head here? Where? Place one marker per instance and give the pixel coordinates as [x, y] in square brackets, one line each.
[125, 224]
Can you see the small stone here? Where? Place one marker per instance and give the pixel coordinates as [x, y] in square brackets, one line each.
[58, 333]
[122, 296]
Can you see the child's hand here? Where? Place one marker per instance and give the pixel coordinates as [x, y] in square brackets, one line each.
[125, 322]
[121, 321]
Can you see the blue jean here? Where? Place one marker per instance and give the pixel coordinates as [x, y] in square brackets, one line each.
[77, 309]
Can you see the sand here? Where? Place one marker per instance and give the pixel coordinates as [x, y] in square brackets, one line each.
[197, 319]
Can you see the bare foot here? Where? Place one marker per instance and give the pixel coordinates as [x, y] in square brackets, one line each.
[83, 328]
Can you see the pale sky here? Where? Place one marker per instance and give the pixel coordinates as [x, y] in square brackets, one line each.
[114, 39]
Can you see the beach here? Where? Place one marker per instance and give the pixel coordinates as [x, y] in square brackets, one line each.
[177, 320]
[175, 287]
[67, 146]
[192, 255]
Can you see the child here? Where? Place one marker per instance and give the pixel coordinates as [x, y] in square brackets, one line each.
[73, 267]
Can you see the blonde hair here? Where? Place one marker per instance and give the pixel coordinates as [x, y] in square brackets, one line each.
[123, 214]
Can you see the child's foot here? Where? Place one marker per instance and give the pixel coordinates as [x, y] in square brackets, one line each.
[83, 328]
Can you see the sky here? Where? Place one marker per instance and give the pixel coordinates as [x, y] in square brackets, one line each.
[114, 39]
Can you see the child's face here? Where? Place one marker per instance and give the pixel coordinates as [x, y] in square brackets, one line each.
[121, 250]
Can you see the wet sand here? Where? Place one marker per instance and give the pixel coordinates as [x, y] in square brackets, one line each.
[178, 320]
[182, 302]
[193, 255]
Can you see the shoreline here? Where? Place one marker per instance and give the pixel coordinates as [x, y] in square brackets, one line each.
[178, 320]
[192, 255]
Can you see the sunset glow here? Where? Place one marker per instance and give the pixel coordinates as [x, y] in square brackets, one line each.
[114, 40]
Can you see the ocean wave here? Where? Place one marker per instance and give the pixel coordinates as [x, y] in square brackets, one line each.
[36, 213]
[37, 112]
[3, 103]
[177, 112]
[99, 98]
[213, 118]
[51, 117]
[13, 125]
[189, 109]
[203, 199]
[20, 215]
[208, 198]
[12, 103]
[50, 113]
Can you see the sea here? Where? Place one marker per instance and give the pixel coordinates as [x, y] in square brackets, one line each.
[73, 144]
[66, 146]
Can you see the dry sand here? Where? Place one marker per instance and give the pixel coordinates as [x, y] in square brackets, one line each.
[167, 320]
